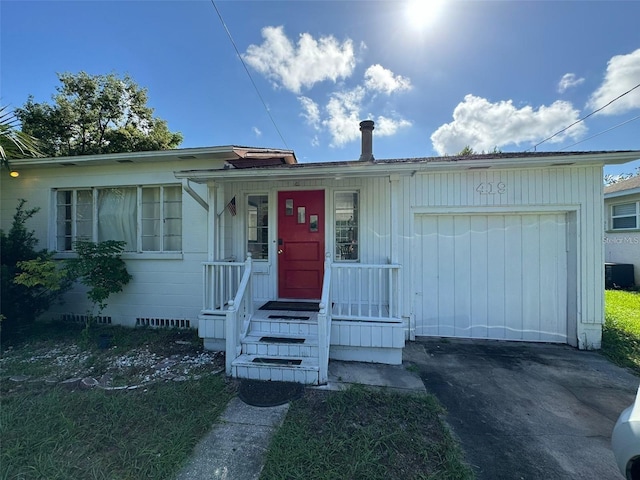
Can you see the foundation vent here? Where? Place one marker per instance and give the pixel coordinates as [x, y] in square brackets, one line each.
[74, 318]
[163, 322]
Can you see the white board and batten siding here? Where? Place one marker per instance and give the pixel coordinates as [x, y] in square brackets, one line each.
[374, 212]
[510, 254]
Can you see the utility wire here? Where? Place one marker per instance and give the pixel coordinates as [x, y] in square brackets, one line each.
[582, 119]
[604, 131]
[249, 74]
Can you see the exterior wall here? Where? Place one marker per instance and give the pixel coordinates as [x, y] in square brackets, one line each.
[164, 286]
[576, 191]
[374, 242]
[622, 247]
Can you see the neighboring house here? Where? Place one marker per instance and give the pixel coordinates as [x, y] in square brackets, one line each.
[498, 246]
[622, 224]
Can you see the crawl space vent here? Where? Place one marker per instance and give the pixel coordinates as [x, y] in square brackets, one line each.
[162, 322]
[74, 318]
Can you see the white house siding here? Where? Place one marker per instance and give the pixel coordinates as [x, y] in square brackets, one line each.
[165, 287]
[374, 222]
[571, 191]
[622, 247]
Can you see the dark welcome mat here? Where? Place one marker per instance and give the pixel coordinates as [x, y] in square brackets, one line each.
[291, 306]
[261, 393]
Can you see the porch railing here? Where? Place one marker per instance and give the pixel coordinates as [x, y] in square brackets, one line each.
[238, 316]
[366, 292]
[221, 280]
[324, 324]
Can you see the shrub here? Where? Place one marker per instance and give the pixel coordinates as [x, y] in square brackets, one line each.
[30, 280]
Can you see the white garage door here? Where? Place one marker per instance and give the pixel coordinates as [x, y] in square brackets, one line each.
[491, 276]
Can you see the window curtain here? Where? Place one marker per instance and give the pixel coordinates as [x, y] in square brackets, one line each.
[117, 216]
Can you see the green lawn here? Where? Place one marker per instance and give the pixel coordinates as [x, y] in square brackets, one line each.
[621, 331]
[364, 434]
[52, 432]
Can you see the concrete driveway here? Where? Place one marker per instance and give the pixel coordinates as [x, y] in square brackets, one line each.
[527, 411]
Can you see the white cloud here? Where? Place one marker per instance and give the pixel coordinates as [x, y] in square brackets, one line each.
[310, 111]
[484, 125]
[386, 126]
[567, 81]
[380, 79]
[302, 65]
[343, 119]
[623, 73]
[257, 132]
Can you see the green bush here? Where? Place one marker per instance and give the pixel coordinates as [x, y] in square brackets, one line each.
[30, 280]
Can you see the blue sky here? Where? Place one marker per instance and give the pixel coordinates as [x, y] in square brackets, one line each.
[487, 74]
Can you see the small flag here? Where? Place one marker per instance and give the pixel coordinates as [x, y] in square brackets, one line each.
[231, 206]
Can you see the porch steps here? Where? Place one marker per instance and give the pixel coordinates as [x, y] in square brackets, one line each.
[280, 346]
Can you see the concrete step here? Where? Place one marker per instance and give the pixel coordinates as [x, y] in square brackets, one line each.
[303, 370]
[281, 345]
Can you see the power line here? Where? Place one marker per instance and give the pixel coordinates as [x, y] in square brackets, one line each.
[604, 131]
[249, 74]
[582, 119]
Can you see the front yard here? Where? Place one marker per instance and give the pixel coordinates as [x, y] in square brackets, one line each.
[132, 411]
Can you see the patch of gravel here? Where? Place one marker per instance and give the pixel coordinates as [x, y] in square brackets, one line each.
[69, 365]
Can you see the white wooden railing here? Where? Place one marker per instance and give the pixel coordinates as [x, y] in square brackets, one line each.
[366, 292]
[238, 316]
[324, 324]
[221, 280]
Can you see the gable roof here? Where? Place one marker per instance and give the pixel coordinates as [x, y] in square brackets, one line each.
[236, 156]
[630, 186]
[412, 165]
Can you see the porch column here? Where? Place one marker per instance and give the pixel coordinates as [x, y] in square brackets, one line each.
[212, 222]
[394, 181]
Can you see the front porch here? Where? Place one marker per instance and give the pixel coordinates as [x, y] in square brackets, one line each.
[357, 318]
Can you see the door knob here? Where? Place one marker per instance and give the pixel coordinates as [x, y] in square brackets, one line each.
[280, 251]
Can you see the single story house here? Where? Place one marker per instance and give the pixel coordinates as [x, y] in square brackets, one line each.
[622, 224]
[285, 265]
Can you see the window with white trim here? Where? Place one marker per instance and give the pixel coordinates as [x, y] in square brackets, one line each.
[258, 226]
[347, 225]
[625, 216]
[147, 219]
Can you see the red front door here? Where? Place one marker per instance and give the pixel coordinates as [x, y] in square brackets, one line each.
[300, 244]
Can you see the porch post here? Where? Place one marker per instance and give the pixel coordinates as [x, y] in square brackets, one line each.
[394, 181]
[212, 224]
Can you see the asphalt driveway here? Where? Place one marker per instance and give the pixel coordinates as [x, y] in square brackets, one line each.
[526, 411]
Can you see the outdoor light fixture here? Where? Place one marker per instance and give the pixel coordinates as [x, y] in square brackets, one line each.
[14, 174]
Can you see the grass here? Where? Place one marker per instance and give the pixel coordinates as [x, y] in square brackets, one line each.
[621, 330]
[52, 432]
[361, 433]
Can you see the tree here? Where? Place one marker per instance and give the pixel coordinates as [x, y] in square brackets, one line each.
[93, 114]
[14, 143]
[611, 179]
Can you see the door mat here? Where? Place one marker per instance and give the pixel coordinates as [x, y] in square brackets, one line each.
[291, 306]
[260, 393]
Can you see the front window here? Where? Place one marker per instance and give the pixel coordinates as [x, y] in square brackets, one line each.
[147, 219]
[625, 216]
[347, 225]
[258, 226]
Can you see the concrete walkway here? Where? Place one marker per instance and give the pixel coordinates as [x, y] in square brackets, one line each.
[235, 447]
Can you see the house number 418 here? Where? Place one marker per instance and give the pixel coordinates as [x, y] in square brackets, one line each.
[491, 188]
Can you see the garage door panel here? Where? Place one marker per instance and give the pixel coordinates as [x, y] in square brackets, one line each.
[497, 276]
[461, 271]
[513, 277]
[479, 268]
